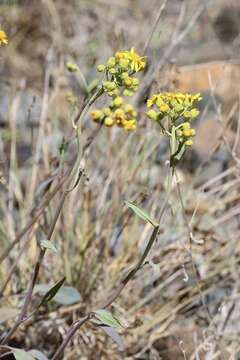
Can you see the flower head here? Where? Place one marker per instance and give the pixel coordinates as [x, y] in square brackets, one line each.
[137, 62]
[3, 38]
[118, 113]
[119, 70]
[179, 110]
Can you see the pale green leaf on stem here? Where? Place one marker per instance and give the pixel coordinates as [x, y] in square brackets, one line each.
[141, 213]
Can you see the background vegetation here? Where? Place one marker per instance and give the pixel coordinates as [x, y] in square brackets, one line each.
[171, 309]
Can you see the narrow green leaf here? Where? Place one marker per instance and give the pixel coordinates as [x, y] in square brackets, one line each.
[48, 245]
[114, 335]
[141, 213]
[67, 295]
[180, 153]
[21, 355]
[52, 292]
[107, 318]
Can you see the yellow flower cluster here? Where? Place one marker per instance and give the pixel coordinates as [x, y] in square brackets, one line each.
[185, 133]
[3, 38]
[119, 70]
[174, 112]
[173, 105]
[118, 113]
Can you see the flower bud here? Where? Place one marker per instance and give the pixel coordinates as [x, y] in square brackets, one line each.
[128, 108]
[128, 93]
[72, 67]
[186, 132]
[151, 114]
[185, 125]
[107, 111]
[123, 63]
[109, 85]
[108, 121]
[164, 107]
[112, 71]
[188, 143]
[96, 114]
[101, 68]
[118, 101]
[111, 62]
[128, 82]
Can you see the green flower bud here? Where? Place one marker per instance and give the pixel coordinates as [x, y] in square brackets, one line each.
[111, 62]
[96, 115]
[107, 111]
[151, 114]
[118, 101]
[112, 71]
[128, 93]
[109, 85]
[123, 63]
[72, 67]
[108, 121]
[188, 143]
[101, 68]
[124, 75]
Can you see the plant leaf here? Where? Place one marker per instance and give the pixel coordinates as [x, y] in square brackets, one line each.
[67, 295]
[141, 213]
[114, 335]
[180, 153]
[48, 245]
[37, 354]
[7, 313]
[107, 318]
[21, 354]
[51, 292]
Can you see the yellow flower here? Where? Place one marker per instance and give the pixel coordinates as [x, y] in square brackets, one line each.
[137, 62]
[152, 101]
[129, 125]
[71, 66]
[3, 38]
[187, 132]
[151, 114]
[119, 115]
[164, 107]
[188, 143]
[96, 115]
[118, 101]
[108, 121]
[185, 125]
[129, 109]
[101, 68]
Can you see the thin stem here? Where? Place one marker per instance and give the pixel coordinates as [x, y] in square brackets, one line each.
[114, 295]
[71, 184]
[149, 245]
[73, 329]
[195, 270]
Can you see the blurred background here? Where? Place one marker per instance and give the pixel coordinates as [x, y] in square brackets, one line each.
[170, 311]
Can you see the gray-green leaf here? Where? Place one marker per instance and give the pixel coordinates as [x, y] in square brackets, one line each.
[67, 295]
[107, 318]
[49, 295]
[141, 213]
[48, 245]
[21, 355]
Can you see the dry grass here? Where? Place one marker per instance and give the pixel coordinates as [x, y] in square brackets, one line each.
[184, 301]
